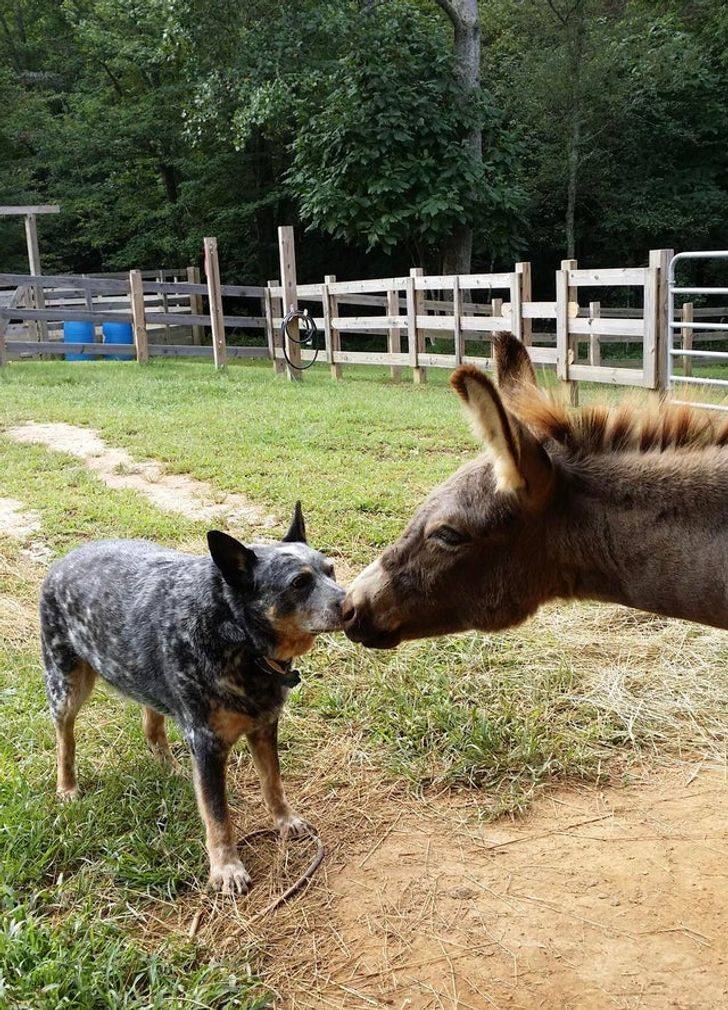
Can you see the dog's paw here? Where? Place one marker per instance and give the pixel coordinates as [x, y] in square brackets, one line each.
[293, 826]
[67, 794]
[230, 878]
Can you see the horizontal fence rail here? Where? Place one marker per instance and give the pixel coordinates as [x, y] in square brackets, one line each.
[414, 320]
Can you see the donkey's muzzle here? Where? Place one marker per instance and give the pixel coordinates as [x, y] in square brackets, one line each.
[360, 626]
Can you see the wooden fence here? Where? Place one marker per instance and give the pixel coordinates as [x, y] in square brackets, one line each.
[421, 321]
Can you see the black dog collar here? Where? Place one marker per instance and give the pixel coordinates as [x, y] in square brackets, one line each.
[284, 671]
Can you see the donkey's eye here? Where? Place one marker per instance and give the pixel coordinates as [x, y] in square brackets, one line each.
[448, 535]
[302, 581]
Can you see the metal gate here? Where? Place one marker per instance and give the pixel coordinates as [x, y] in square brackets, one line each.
[681, 326]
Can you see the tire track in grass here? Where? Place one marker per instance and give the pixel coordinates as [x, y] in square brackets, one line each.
[179, 493]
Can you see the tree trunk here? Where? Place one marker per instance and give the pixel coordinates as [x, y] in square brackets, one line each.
[575, 40]
[463, 14]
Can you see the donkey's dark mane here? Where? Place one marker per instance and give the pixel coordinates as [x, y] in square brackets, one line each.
[627, 427]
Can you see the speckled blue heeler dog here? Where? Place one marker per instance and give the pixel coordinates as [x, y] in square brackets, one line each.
[207, 641]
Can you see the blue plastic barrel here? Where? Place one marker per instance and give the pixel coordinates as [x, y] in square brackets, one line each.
[78, 333]
[118, 333]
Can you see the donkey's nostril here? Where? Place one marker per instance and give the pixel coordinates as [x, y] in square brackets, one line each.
[348, 610]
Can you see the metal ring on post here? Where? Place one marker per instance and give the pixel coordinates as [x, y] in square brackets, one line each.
[305, 339]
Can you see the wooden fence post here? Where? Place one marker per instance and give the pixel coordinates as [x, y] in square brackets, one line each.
[660, 258]
[31, 238]
[687, 337]
[419, 375]
[287, 253]
[217, 319]
[562, 325]
[595, 348]
[274, 336]
[138, 314]
[457, 312]
[332, 334]
[526, 295]
[573, 343]
[412, 348]
[516, 306]
[394, 340]
[193, 277]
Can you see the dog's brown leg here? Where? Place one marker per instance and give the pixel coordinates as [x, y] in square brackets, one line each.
[78, 684]
[227, 873]
[263, 744]
[156, 735]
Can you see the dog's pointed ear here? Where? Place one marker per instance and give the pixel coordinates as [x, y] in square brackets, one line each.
[234, 560]
[513, 369]
[297, 530]
[520, 464]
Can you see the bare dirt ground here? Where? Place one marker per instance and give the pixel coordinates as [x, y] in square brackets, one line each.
[599, 898]
[117, 469]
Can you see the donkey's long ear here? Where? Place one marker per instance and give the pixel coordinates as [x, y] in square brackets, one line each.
[491, 424]
[297, 530]
[520, 464]
[513, 368]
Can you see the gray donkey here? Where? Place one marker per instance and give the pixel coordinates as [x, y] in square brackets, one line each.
[621, 505]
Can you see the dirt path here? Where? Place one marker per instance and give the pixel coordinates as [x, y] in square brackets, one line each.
[24, 525]
[598, 899]
[178, 493]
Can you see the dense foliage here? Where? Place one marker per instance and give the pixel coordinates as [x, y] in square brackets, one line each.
[155, 122]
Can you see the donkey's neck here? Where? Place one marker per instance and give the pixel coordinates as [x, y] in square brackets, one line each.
[646, 530]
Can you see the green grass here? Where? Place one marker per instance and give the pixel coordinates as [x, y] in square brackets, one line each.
[501, 715]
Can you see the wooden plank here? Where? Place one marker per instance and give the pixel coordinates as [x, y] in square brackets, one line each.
[562, 325]
[483, 324]
[595, 351]
[65, 315]
[276, 305]
[411, 322]
[613, 376]
[247, 352]
[362, 287]
[660, 258]
[31, 238]
[650, 322]
[516, 325]
[484, 281]
[610, 277]
[524, 273]
[177, 287]
[539, 310]
[242, 290]
[543, 355]
[168, 319]
[141, 341]
[620, 327]
[194, 281]
[438, 360]
[67, 280]
[180, 351]
[687, 337]
[419, 375]
[40, 208]
[60, 347]
[457, 330]
[394, 338]
[287, 254]
[332, 334]
[372, 358]
[217, 319]
[16, 298]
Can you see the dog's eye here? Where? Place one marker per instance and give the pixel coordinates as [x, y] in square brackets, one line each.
[302, 581]
[448, 535]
